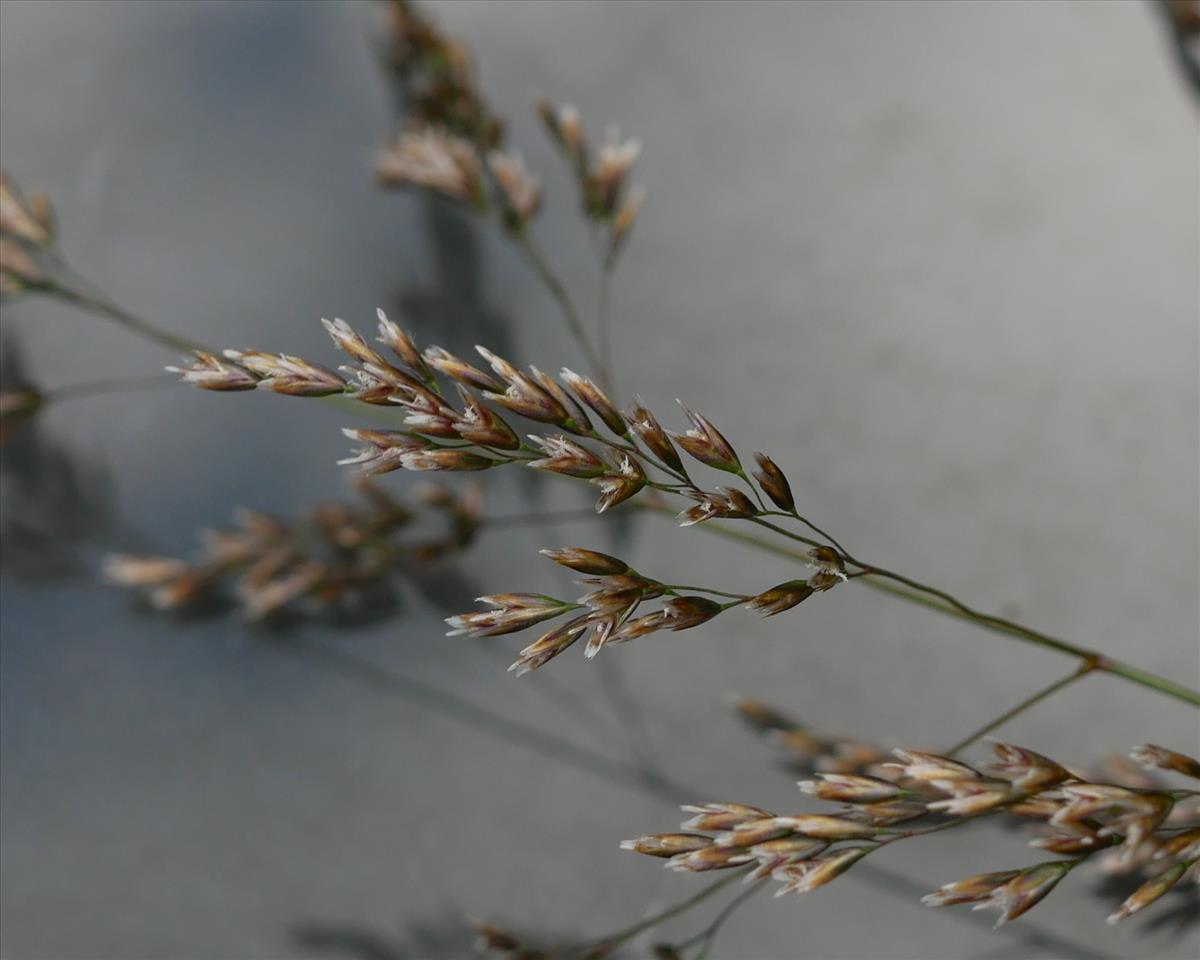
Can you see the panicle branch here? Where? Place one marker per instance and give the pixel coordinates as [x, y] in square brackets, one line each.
[601, 175]
[1155, 828]
[622, 455]
[606, 613]
[338, 558]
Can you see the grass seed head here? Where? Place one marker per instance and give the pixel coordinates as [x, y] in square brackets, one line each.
[773, 482]
[705, 443]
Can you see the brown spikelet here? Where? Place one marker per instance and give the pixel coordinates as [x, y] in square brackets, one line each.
[773, 482]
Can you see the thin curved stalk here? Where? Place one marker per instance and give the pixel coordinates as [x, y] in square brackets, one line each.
[139, 325]
[946, 604]
[708, 935]
[604, 323]
[1087, 667]
[611, 942]
[537, 260]
[95, 388]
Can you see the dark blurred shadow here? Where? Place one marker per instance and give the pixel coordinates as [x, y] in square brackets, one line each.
[1175, 918]
[443, 937]
[348, 942]
[53, 500]
[450, 307]
[444, 585]
[1182, 20]
[387, 681]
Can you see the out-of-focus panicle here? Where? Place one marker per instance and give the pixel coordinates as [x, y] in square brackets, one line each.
[435, 76]
[452, 138]
[601, 173]
[336, 558]
[26, 239]
[493, 940]
[431, 158]
[802, 749]
[929, 793]
[18, 405]
[520, 190]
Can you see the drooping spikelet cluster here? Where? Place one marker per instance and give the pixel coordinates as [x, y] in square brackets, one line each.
[454, 145]
[452, 141]
[601, 174]
[605, 614]
[338, 558]
[18, 405]
[435, 76]
[448, 407]
[1158, 828]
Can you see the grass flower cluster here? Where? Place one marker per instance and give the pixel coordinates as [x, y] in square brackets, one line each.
[448, 414]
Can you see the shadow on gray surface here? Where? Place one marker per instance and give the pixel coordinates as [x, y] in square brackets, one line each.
[53, 500]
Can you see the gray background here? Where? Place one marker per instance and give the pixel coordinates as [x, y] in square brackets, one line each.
[938, 259]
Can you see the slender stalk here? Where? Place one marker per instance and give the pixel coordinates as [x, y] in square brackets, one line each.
[708, 935]
[604, 324]
[1009, 626]
[387, 681]
[568, 702]
[144, 328]
[92, 388]
[537, 260]
[1088, 666]
[811, 526]
[612, 941]
[545, 516]
[139, 325]
[1000, 625]
[948, 605]
[739, 597]
[627, 711]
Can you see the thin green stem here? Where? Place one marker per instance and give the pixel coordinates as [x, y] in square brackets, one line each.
[92, 388]
[530, 736]
[604, 323]
[811, 526]
[545, 516]
[139, 325]
[786, 533]
[739, 597]
[708, 935]
[1088, 666]
[558, 291]
[944, 603]
[612, 941]
[1000, 625]
[762, 504]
